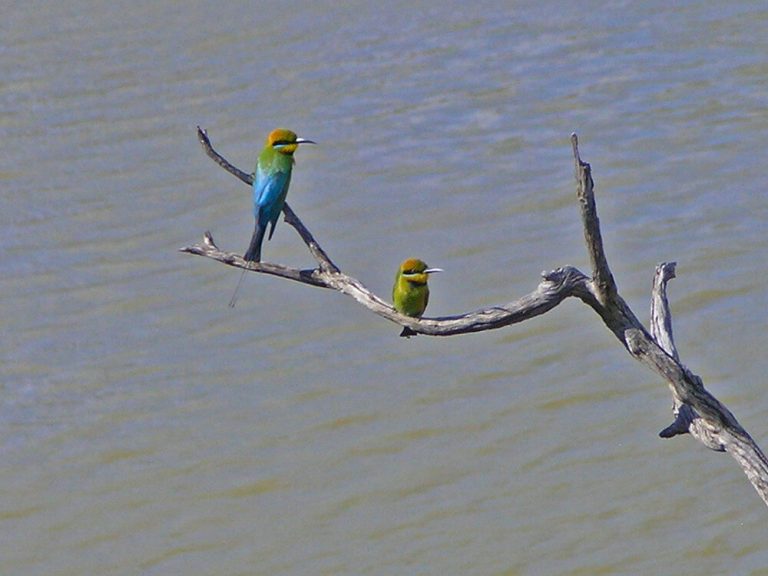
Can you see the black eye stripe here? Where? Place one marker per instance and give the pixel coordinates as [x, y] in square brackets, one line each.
[282, 143]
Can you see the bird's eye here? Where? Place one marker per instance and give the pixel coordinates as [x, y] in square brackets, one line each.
[281, 143]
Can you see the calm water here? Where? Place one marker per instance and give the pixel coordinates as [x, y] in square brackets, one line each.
[146, 428]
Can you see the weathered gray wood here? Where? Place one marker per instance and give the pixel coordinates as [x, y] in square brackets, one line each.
[696, 411]
[661, 317]
[730, 438]
[556, 286]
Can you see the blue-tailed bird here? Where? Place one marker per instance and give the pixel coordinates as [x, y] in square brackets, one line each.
[410, 293]
[270, 187]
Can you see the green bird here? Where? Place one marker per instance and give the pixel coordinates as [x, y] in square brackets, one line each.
[410, 293]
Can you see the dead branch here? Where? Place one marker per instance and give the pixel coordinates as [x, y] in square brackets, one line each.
[695, 410]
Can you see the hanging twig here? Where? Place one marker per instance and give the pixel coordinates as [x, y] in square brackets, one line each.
[696, 411]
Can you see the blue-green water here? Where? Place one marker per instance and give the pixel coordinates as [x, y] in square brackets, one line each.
[146, 428]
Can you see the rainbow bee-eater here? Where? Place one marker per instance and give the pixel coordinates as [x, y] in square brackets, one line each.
[270, 187]
[410, 293]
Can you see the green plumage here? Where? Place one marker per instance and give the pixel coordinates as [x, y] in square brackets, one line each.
[410, 294]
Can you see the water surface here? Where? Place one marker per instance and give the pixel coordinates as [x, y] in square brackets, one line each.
[146, 428]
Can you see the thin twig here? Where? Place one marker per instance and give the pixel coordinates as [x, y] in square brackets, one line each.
[202, 137]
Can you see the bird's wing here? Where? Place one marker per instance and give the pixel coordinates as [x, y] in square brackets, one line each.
[269, 195]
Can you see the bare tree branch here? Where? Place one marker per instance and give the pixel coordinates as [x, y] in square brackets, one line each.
[696, 411]
[605, 284]
[686, 418]
[202, 137]
[661, 317]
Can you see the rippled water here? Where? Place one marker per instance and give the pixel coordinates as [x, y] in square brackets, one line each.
[146, 428]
